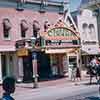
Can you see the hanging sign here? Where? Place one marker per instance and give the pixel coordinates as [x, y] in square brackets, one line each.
[22, 52]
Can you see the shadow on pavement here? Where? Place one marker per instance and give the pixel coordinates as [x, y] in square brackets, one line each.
[92, 98]
[94, 83]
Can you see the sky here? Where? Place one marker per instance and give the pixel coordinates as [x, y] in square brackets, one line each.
[74, 4]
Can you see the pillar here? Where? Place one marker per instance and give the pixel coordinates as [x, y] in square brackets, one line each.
[69, 68]
[0, 70]
[20, 69]
[78, 63]
[60, 59]
[51, 62]
[7, 65]
[65, 65]
[35, 73]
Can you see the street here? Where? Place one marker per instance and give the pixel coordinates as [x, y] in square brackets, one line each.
[57, 90]
[65, 91]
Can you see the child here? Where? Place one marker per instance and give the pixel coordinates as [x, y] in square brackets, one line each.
[8, 87]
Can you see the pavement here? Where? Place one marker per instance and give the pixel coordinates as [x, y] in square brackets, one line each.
[21, 88]
[60, 89]
[54, 82]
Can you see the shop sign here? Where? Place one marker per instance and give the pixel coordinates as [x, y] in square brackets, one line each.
[89, 42]
[60, 32]
[57, 51]
[22, 52]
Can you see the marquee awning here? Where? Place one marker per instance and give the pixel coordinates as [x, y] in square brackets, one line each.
[58, 51]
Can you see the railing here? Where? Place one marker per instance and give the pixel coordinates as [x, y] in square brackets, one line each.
[30, 43]
[48, 2]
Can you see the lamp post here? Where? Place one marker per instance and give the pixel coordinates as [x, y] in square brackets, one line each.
[34, 63]
[35, 74]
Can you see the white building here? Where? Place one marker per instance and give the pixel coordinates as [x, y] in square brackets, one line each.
[87, 18]
[87, 24]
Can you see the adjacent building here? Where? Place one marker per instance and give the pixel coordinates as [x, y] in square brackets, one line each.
[87, 19]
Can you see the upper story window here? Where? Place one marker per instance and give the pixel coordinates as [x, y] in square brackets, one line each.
[36, 29]
[20, 5]
[43, 6]
[46, 26]
[6, 28]
[91, 29]
[85, 26]
[24, 28]
[61, 8]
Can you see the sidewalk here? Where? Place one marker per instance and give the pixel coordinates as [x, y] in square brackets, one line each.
[56, 82]
[22, 88]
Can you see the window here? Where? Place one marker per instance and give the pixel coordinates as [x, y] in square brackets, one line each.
[6, 28]
[91, 29]
[36, 28]
[46, 26]
[85, 30]
[84, 26]
[43, 6]
[61, 8]
[20, 5]
[24, 28]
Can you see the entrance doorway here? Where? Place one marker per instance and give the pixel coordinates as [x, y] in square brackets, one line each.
[72, 67]
[27, 68]
[73, 60]
[57, 64]
[44, 69]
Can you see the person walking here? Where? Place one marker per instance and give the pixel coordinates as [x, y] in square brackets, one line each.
[73, 74]
[9, 88]
[78, 74]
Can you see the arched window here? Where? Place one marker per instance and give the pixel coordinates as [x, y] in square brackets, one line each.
[91, 28]
[36, 29]
[24, 28]
[6, 27]
[84, 26]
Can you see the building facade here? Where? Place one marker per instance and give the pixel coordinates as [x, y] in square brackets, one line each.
[94, 6]
[14, 16]
[21, 20]
[87, 24]
[57, 54]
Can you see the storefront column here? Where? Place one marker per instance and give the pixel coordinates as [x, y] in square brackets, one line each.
[0, 70]
[7, 65]
[65, 65]
[79, 61]
[20, 69]
[51, 63]
[60, 65]
[78, 65]
[69, 69]
[35, 73]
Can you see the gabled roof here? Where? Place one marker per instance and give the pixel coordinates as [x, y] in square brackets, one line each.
[60, 24]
